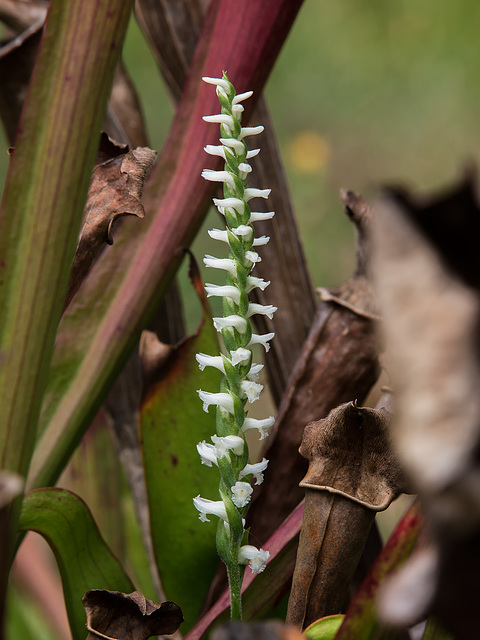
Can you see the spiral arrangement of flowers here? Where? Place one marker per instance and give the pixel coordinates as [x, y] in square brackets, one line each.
[228, 450]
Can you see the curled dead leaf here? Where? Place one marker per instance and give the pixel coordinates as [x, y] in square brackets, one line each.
[112, 615]
[115, 191]
[350, 454]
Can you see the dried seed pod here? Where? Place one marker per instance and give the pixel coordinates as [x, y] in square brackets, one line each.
[352, 474]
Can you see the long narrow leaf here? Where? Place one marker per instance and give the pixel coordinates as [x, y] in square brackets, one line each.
[44, 199]
[246, 39]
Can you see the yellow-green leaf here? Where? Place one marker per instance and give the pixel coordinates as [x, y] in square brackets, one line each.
[325, 628]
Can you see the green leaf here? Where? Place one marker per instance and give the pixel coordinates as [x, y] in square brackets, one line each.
[325, 628]
[44, 199]
[84, 560]
[94, 474]
[172, 423]
[23, 618]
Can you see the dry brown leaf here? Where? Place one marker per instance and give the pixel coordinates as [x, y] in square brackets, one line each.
[128, 616]
[352, 473]
[350, 453]
[115, 191]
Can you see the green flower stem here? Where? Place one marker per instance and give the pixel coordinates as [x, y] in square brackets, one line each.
[235, 576]
[229, 451]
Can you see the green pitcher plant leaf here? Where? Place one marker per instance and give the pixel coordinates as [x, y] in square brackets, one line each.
[43, 202]
[114, 303]
[172, 423]
[84, 560]
[42, 208]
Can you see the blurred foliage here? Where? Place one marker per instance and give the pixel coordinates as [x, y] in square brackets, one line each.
[390, 88]
[33, 626]
[362, 95]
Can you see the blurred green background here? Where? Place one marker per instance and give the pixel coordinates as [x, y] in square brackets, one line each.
[363, 95]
